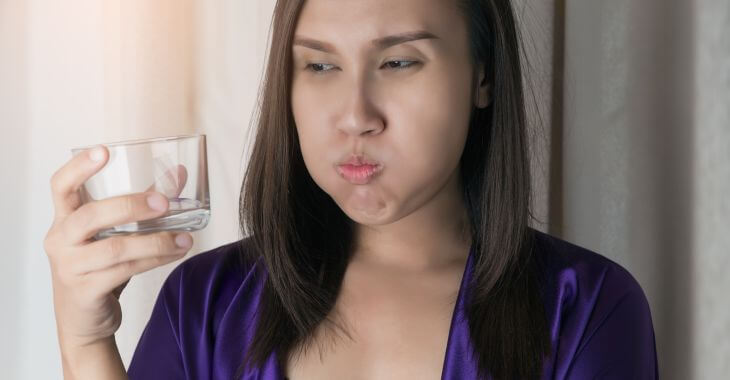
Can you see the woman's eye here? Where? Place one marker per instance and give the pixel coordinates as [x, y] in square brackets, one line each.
[399, 64]
[318, 68]
[321, 68]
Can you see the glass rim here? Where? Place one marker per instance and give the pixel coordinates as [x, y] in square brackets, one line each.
[138, 141]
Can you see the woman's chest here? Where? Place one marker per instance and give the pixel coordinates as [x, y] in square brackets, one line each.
[409, 347]
[393, 331]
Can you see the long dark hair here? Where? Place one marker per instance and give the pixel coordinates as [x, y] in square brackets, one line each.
[305, 240]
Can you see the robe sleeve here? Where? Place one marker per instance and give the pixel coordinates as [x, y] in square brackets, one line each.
[158, 354]
[622, 346]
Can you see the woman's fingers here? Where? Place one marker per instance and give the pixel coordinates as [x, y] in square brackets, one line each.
[66, 181]
[117, 292]
[106, 253]
[171, 182]
[182, 179]
[107, 280]
[88, 219]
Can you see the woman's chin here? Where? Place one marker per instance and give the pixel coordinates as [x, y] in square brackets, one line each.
[365, 208]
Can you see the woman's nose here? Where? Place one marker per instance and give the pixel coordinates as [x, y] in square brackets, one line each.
[359, 114]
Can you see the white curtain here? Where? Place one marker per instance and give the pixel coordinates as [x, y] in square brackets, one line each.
[631, 143]
[646, 162]
[85, 72]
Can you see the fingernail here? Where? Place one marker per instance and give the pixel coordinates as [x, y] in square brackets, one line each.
[156, 202]
[183, 241]
[97, 154]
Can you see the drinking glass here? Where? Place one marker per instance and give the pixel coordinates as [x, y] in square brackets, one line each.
[176, 166]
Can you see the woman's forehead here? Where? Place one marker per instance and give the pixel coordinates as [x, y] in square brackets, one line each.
[377, 17]
[327, 24]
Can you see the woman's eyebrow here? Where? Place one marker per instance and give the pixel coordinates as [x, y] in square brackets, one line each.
[380, 43]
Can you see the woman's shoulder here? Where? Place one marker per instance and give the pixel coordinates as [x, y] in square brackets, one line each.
[203, 317]
[564, 263]
[216, 285]
[599, 316]
[230, 263]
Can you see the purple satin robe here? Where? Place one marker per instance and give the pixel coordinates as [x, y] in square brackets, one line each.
[598, 316]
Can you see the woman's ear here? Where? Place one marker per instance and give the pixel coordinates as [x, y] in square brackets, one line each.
[482, 95]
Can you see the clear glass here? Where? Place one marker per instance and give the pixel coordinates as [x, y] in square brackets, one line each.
[176, 166]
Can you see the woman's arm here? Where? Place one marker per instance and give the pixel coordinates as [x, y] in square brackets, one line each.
[99, 360]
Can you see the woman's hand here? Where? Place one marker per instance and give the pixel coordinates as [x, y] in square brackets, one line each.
[89, 275]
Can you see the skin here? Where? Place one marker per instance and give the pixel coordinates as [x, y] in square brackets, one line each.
[408, 107]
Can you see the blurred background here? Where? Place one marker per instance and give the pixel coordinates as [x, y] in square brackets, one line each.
[630, 107]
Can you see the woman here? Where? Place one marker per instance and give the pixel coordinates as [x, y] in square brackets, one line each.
[387, 205]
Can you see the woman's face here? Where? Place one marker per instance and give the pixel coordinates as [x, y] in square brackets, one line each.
[400, 103]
